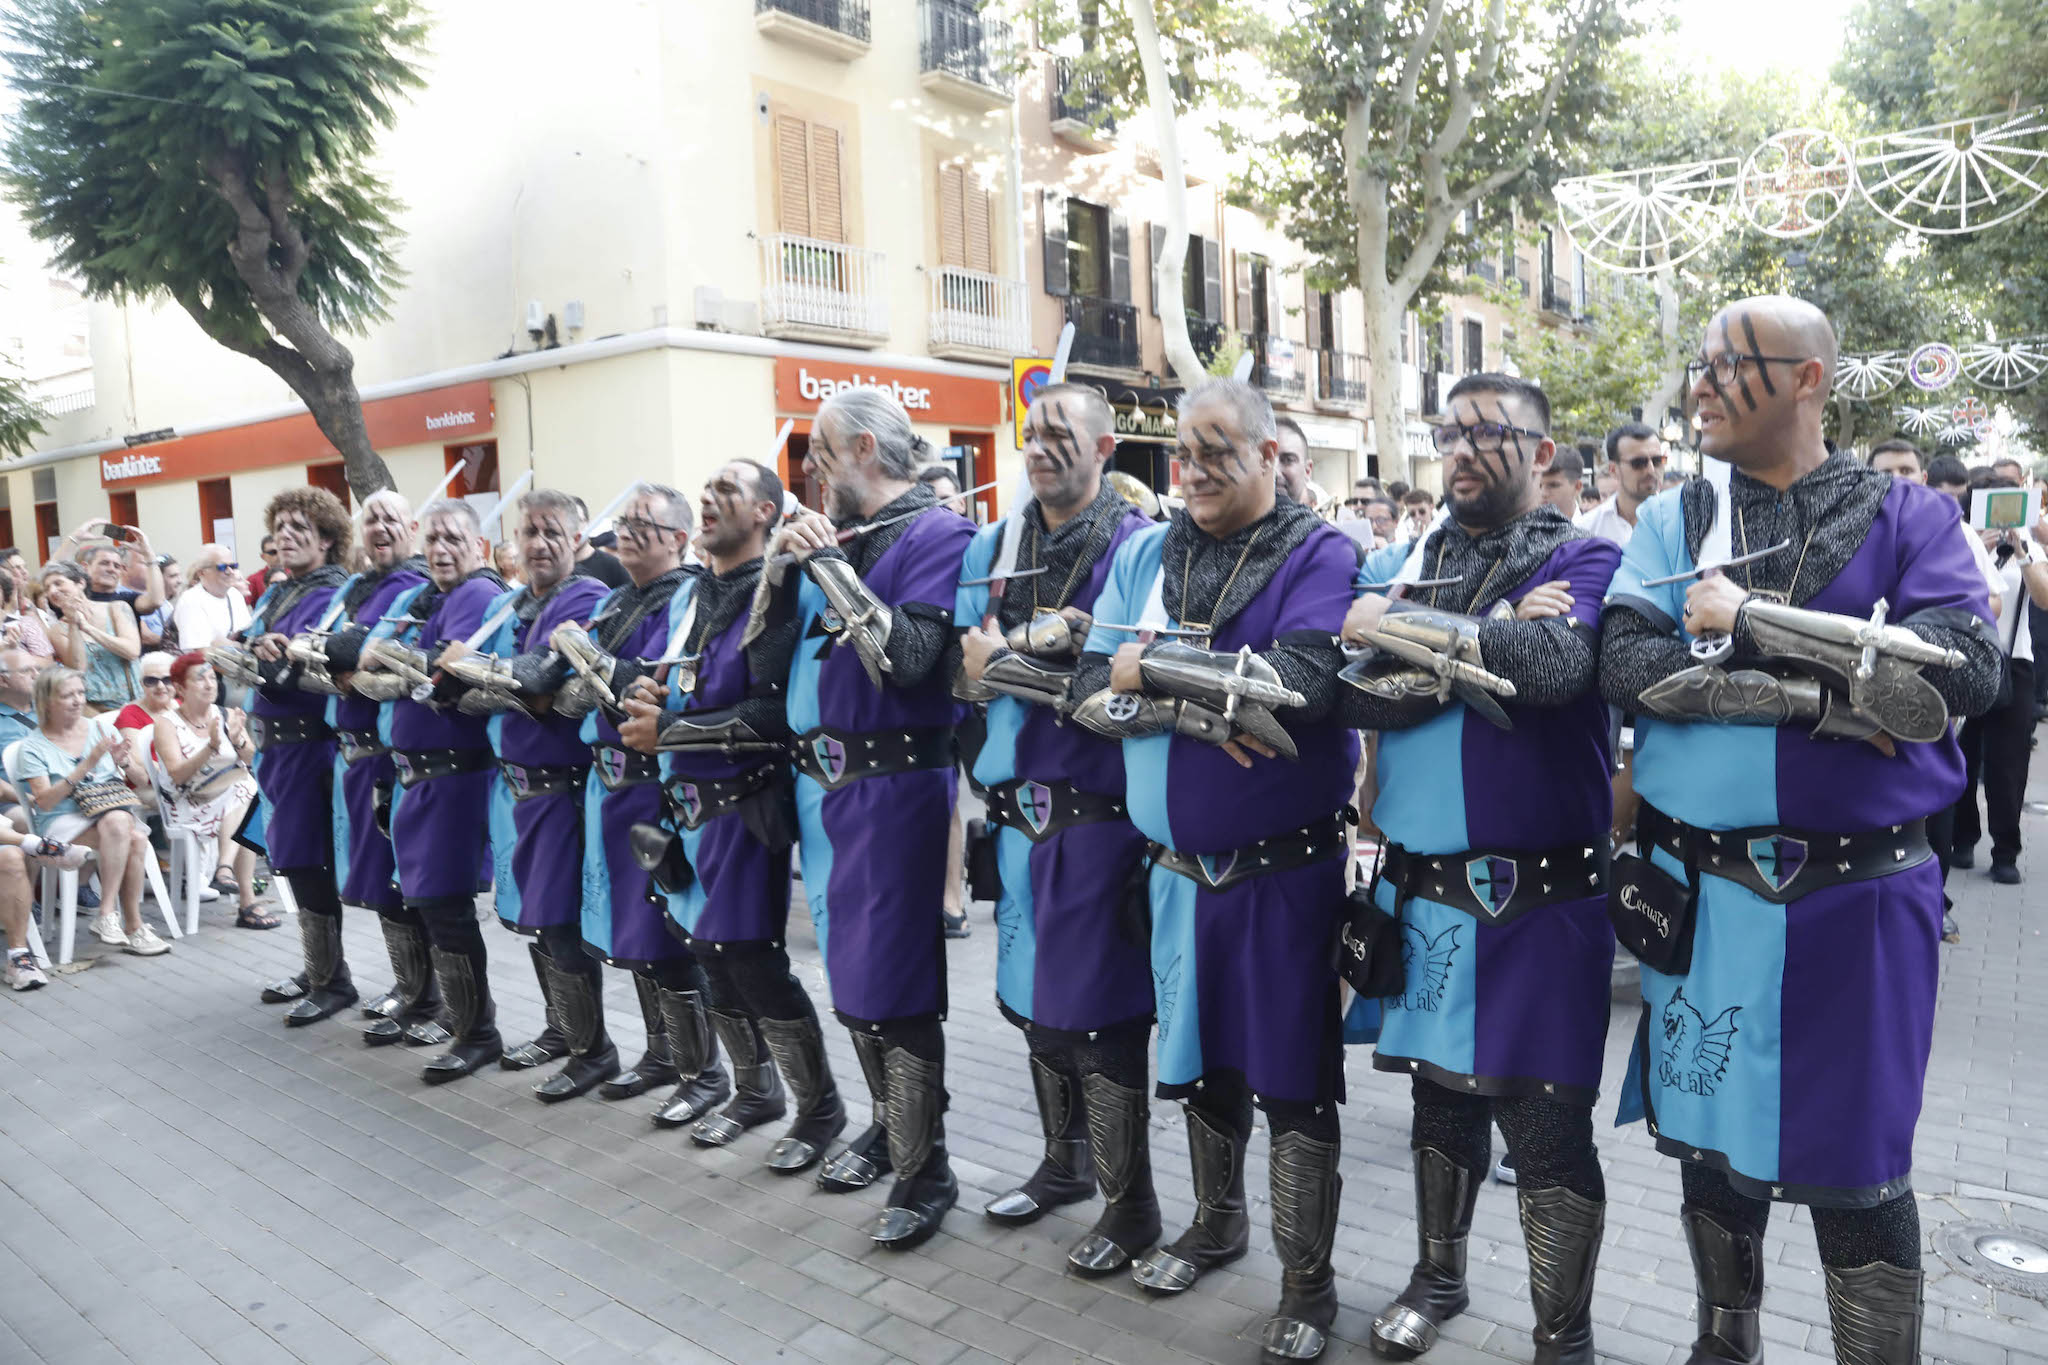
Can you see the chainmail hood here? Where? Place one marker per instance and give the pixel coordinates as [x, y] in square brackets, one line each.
[1825, 515]
[1196, 568]
[629, 606]
[721, 599]
[1494, 563]
[1069, 553]
[866, 550]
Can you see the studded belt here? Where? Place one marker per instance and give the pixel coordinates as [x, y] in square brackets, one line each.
[619, 768]
[1781, 864]
[833, 758]
[423, 765]
[274, 731]
[1497, 885]
[358, 745]
[1315, 843]
[1039, 810]
[526, 781]
[694, 802]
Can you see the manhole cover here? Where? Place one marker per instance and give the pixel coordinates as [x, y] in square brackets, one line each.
[2006, 1258]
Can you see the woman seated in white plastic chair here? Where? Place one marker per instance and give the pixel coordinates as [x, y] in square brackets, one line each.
[204, 754]
[74, 769]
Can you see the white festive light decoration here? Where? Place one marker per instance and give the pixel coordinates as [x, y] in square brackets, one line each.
[2006, 365]
[1999, 365]
[1934, 366]
[1921, 421]
[1957, 435]
[1941, 179]
[1867, 376]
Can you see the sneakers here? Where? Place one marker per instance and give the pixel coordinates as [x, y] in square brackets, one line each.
[144, 943]
[22, 972]
[209, 894]
[107, 925]
[1504, 1170]
[2005, 874]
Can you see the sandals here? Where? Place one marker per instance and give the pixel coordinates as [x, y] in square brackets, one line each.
[249, 917]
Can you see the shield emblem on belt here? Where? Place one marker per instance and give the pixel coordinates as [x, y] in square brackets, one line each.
[404, 767]
[689, 801]
[831, 756]
[1777, 859]
[1034, 803]
[1216, 866]
[516, 779]
[1493, 882]
[831, 620]
[612, 762]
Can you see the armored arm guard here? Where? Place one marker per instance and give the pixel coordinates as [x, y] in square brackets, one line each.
[1241, 688]
[721, 730]
[1757, 696]
[484, 701]
[1417, 652]
[1037, 681]
[235, 662]
[1129, 715]
[1049, 635]
[1878, 666]
[483, 672]
[865, 623]
[308, 652]
[390, 670]
[589, 683]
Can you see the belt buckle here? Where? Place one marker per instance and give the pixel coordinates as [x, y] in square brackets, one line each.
[1778, 859]
[689, 801]
[404, 766]
[518, 779]
[830, 756]
[1033, 804]
[1493, 881]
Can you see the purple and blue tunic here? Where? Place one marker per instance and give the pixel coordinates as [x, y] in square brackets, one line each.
[365, 868]
[874, 850]
[1244, 978]
[294, 777]
[1067, 959]
[537, 835]
[440, 835]
[1514, 1003]
[1792, 1054]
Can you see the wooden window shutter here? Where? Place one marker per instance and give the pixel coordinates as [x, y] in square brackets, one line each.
[953, 215]
[1212, 279]
[828, 203]
[792, 175]
[981, 235]
[1052, 234]
[1312, 314]
[1276, 316]
[1244, 291]
[1158, 236]
[1119, 257]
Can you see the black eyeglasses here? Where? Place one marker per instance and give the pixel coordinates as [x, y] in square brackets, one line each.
[641, 526]
[1728, 364]
[1484, 437]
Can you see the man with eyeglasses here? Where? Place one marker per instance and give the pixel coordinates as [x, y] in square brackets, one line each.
[1501, 1013]
[1792, 739]
[1636, 458]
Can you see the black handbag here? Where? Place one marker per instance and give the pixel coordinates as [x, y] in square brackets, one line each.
[1369, 945]
[984, 868]
[1652, 912]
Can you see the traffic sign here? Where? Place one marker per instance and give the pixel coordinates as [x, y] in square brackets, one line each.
[1028, 374]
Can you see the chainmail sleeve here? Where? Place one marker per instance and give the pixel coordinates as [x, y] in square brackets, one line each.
[918, 642]
[540, 673]
[1972, 689]
[1091, 675]
[1307, 661]
[1636, 654]
[1549, 661]
[344, 648]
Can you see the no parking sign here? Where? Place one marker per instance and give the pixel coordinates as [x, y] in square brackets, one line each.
[1028, 374]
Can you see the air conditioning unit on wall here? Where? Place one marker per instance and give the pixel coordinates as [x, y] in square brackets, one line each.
[717, 313]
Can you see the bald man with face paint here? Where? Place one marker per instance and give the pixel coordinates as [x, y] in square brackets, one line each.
[1788, 1000]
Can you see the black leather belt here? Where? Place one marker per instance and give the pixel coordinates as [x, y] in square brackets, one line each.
[1039, 810]
[1314, 843]
[834, 758]
[1782, 864]
[357, 745]
[621, 768]
[694, 802]
[526, 781]
[272, 731]
[1497, 885]
[422, 765]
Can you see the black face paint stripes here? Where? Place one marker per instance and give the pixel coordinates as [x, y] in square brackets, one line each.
[1741, 380]
[1068, 445]
[1756, 353]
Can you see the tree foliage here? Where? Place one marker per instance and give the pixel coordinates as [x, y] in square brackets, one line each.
[216, 153]
[1596, 380]
[20, 419]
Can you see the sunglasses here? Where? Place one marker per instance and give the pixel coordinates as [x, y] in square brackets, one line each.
[1642, 462]
[156, 682]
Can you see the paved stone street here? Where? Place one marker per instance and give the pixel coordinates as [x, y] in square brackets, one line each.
[189, 1181]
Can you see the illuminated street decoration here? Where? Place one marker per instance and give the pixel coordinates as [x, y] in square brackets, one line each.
[1867, 376]
[2006, 365]
[1922, 421]
[1934, 367]
[1795, 183]
[1958, 176]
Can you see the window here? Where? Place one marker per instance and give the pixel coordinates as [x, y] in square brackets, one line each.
[1408, 338]
[1475, 345]
[48, 532]
[966, 236]
[217, 513]
[1258, 294]
[334, 478]
[480, 472]
[121, 509]
[1088, 249]
[810, 191]
[1325, 320]
[1579, 282]
[1201, 275]
[1546, 260]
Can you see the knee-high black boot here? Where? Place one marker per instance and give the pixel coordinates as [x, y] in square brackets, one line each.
[1562, 1232]
[1222, 1230]
[864, 1160]
[329, 987]
[1306, 1189]
[925, 1187]
[472, 1016]
[701, 1082]
[1728, 1268]
[1064, 1174]
[593, 1057]
[757, 1095]
[1122, 1151]
[798, 1046]
[1445, 1194]
[657, 1065]
[414, 1013]
[551, 1044]
[1875, 1311]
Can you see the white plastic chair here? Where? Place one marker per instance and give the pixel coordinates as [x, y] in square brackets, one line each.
[59, 884]
[186, 847]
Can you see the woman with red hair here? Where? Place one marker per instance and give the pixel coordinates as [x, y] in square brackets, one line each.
[204, 754]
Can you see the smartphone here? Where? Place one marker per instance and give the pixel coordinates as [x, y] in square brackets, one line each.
[2004, 509]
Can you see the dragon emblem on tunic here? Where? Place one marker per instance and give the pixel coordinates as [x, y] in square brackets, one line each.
[1166, 986]
[1425, 967]
[1694, 1055]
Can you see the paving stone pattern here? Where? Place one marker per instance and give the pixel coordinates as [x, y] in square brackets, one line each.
[188, 1181]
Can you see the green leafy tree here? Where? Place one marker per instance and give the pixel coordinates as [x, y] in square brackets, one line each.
[216, 153]
[1593, 381]
[20, 419]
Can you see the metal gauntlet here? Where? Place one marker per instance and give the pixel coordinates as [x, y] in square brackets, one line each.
[483, 701]
[1876, 665]
[1420, 652]
[234, 662]
[1049, 635]
[863, 622]
[1241, 688]
[390, 670]
[589, 684]
[1011, 674]
[713, 730]
[1756, 696]
[1129, 715]
[309, 653]
[485, 672]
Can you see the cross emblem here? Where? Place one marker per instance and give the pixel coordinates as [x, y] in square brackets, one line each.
[1034, 803]
[831, 756]
[689, 801]
[515, 778]
[1777, 859]
[1493, 882]
[1215, 866]
[613, 761]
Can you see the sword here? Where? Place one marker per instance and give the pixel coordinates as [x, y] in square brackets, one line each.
[504, 501]
[1014, 573]
[1156, 630]
[1701, 571]
[1419, 583]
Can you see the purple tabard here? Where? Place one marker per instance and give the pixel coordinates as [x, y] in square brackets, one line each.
[297, 779]
[440, 827]
[372, 871]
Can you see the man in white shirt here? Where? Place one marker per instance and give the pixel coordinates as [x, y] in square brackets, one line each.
[213, 607]
[1635, 460]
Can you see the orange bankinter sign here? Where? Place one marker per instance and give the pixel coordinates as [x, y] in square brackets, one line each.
[445, 414]
[802, 386]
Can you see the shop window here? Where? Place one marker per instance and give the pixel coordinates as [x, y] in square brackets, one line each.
[794, 478]
[973, 457]
[121, 509]
[480, 468]
[217, 513]
[48, 532]
[333, 478]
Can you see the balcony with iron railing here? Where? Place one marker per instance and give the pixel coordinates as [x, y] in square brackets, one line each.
[977, 316]
[814, 290]
[1105, 333]
[1081, 110]
[53, 402]
[831, 28]
[1275, 367]
[1206, 337]
[1343, 380]
[965, 55]
[1557, 295]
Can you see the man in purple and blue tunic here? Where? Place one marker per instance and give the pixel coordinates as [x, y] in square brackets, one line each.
[295, 766]
[442, 760]
[872, 713]
[537, 801]
[1071, 968]
[1238, 772]
[1493, 805]
[1794, 632]
[625, 917]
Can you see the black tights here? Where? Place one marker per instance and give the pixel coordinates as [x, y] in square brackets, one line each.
[673, 973]
[1847, 1238]
[452, 926]
[757, 982]
[314, 890]
[1226, 1100]
[563, 943]
[1552, 1140]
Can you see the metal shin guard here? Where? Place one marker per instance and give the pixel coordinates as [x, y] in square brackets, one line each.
[798, 1046]
[702, 1084]
[593, 1057]
[1122, 1151]
[1875, 1310]
[1221, 1231]
[548, 1045]
[329, 989]
[657, 1065]
[284, 989]
[472, 1018]
[1562, 1232]
[864, 1160]
[1306, 1189]
[924, 1187]
[1728, 1267]
[1063, 1175]
[1445, 1193]
[415, 995]
[757, 1095]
